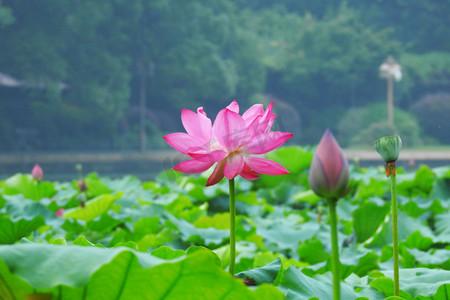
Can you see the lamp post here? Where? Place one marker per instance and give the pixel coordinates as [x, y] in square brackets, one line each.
[390, 70]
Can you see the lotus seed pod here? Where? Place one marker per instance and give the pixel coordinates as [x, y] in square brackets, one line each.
[389, 147]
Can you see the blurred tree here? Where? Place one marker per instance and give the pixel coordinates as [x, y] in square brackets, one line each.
[432, 111]
[188, 50]
[421, 25]
[324, 65]
[85, 66]
[362, 126]
[6, 17]
[424, 73]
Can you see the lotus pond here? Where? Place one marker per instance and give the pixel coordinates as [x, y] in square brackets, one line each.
[123, 238]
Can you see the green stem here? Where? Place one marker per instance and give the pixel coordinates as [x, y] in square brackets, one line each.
[232, 227]
[335, 250]
[395, 234]
[37, 190]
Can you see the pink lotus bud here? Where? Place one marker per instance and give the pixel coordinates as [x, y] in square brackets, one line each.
[60, 212]
[37, 172]
[329, 174]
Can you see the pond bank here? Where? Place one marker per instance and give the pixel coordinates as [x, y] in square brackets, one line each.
[146, 165]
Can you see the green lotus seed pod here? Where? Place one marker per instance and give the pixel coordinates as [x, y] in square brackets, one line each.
[389, 147]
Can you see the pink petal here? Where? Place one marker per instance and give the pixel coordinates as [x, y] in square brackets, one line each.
[200, 111]
[233, 166]
[182, 142]
[196, 125]
[252, 113]
[217, 174]
[265, 166]
[266, 142]
[192, 166]
[234, 106]
[252, 130]
[229, 129]
[248, 174]
[271, 121]
[213, 156]
[267, 119]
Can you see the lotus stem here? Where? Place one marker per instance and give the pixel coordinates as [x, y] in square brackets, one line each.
[232, 227]
[332, 202]
[395, 231]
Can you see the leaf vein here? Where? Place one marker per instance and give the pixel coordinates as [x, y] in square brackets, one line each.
[169, 290]
[124, 281]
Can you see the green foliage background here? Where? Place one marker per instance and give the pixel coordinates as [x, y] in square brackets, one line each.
[82, 64]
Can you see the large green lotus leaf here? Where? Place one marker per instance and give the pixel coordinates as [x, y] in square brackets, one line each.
[19, 207]
[165, 252]
[127, 184]
[83, 241]
[12, 287]
[245, 253]
[28, 187]
[443, 293]
[124, 274]
[65, 195]
[312, 252]
[306, 196]
[266, 274]
[369, 175]
[435, 257]
[386, 286]
[294, 158]
[279, 237]
[133, 214]
[441, 189]
[298, 286]
[95, 186]
[103, 224]
[420, 185]
[219, 221]
[13, 229]
[413, 282]
[353, 261]
[146, 225]
[442, 172]
[374, 188]
[442, 225]
[417, 206]
[357, 262]
[367, 218]
[210, 237]
[416, 240]
[46, 266]
[93, 208]
[406, 226]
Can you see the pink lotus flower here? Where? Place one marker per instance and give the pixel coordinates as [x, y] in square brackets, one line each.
[60, 212]
[229, 142]
[37, 173]
[329, 174]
